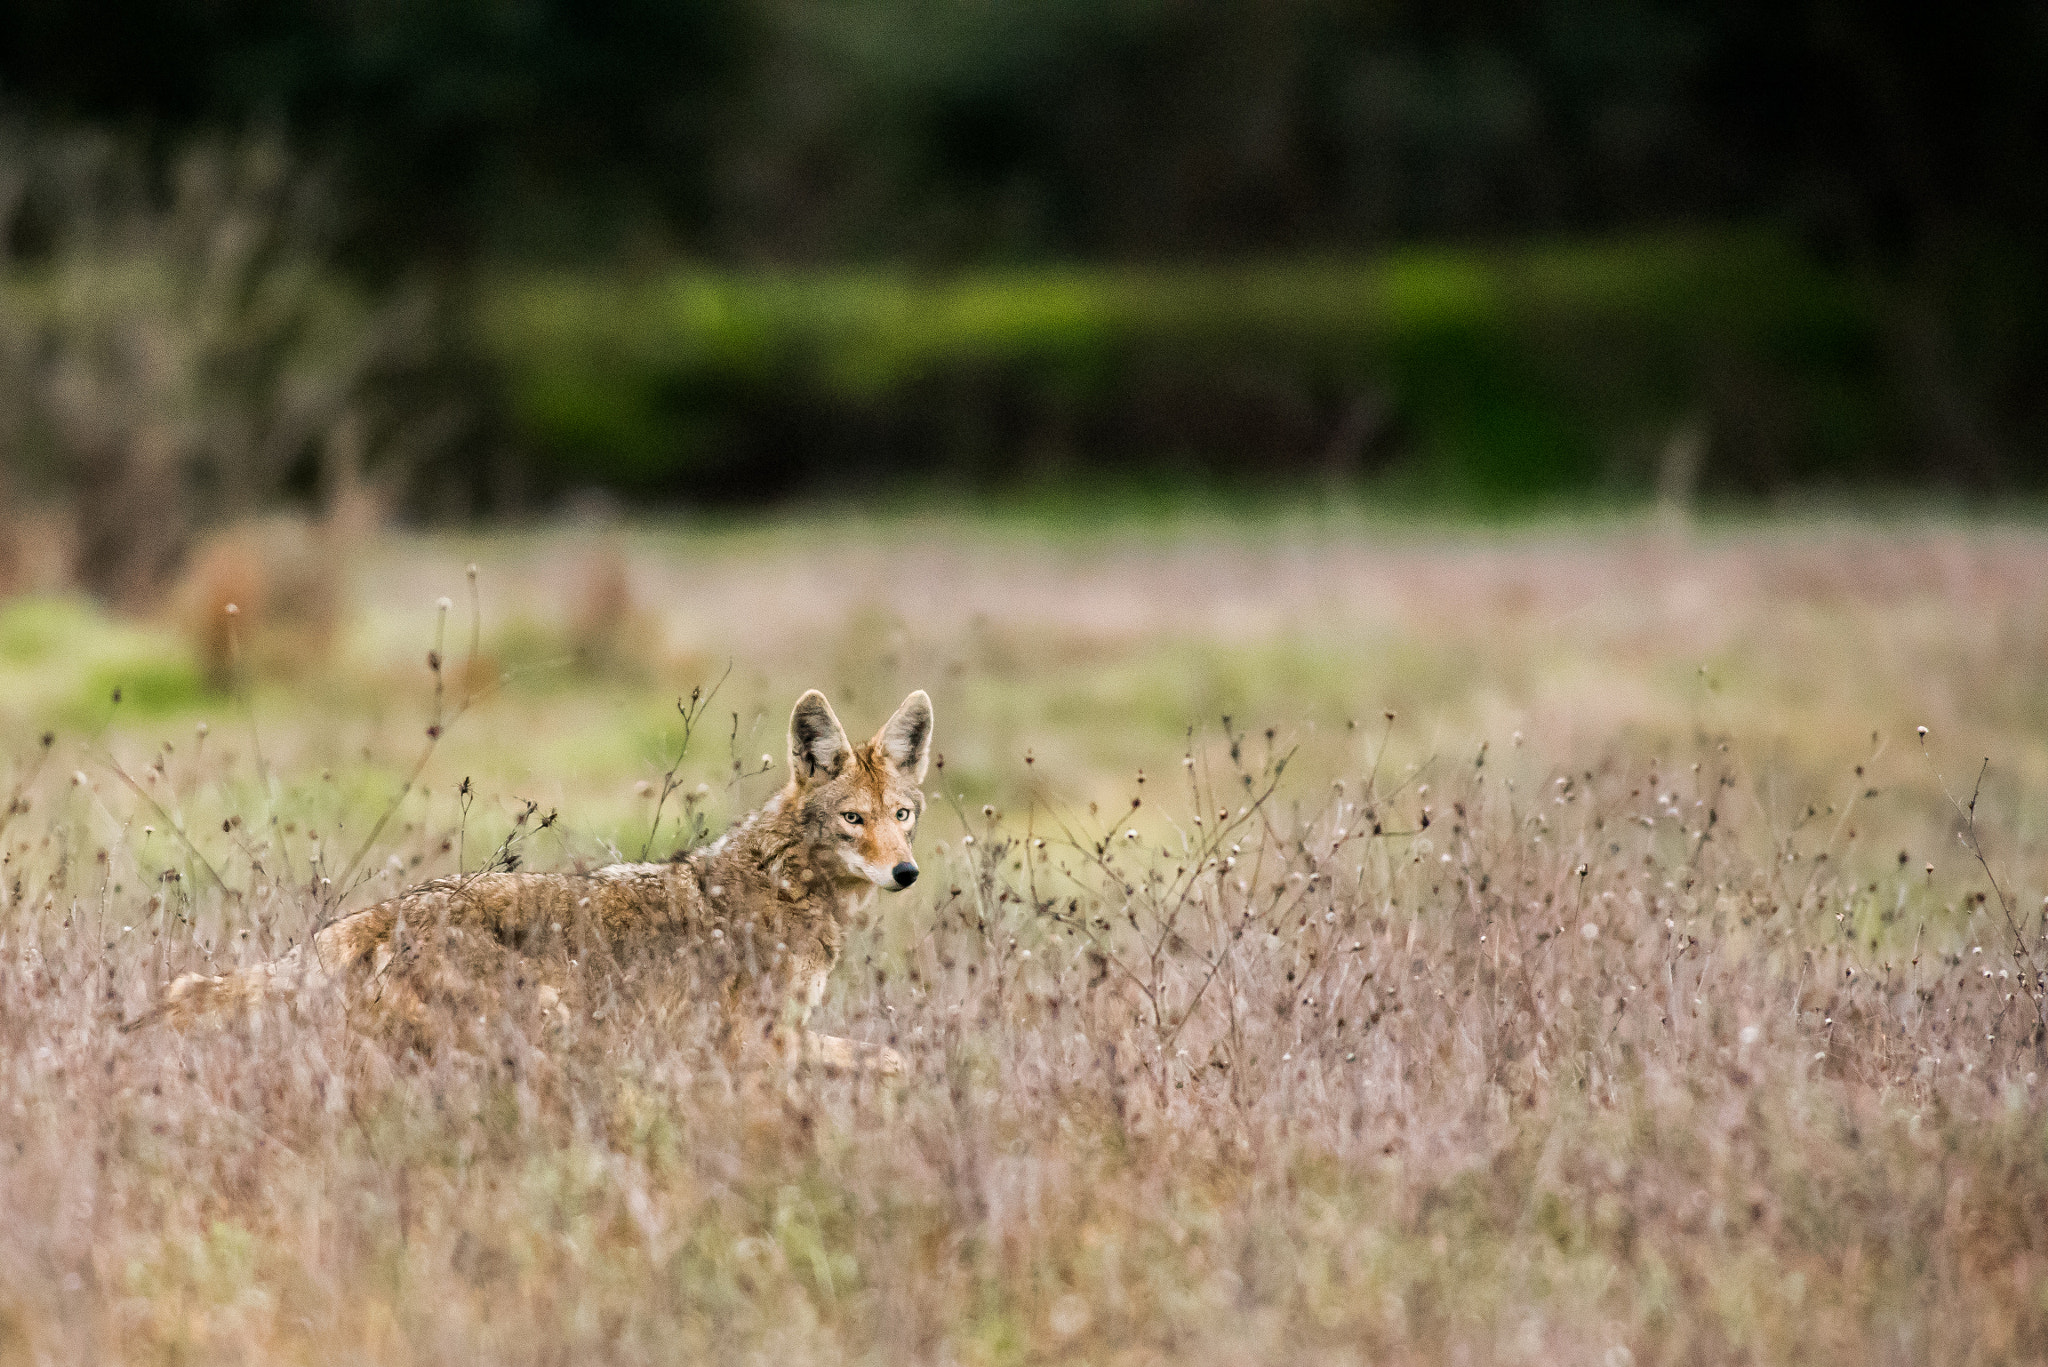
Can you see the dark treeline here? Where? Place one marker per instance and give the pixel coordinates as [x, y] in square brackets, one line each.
[964, 129]
[1899, 149]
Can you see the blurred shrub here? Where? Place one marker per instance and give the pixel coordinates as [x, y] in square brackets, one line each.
[610, 634]
[179, 355]
[1488, 377]
[265, 598]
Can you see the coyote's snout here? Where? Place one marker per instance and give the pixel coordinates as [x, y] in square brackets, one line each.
[762, 908]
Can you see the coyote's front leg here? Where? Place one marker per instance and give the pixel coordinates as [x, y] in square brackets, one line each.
[843, 1055]
[797, 1043]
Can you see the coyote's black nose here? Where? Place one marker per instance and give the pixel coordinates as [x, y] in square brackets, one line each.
[905, 874]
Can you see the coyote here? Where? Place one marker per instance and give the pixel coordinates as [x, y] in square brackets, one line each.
[762, 908]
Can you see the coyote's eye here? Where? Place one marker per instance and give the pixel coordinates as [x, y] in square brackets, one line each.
[903, 813]
[851, 818]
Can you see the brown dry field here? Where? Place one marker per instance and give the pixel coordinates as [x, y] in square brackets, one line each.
[1633, 993]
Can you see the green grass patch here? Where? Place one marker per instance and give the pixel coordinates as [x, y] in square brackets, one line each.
[62, 661]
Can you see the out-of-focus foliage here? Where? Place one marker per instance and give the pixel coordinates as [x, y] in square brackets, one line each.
[1490, 378]
[449, 122]
[744, 241]
[942, 128]
[178, 354]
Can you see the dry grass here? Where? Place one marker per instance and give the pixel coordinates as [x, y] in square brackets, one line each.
[1628, 1037]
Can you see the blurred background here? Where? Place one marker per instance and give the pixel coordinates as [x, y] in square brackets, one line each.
[827, 307]
[479, 257]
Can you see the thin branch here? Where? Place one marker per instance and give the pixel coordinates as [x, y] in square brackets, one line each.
[168, 820]
[435, 729]
[692, 710]
[2037, 991]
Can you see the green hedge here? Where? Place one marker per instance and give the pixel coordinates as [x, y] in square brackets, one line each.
[1493, 377]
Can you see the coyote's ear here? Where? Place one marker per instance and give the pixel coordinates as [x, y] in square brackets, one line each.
[817, 742]
[906, 738]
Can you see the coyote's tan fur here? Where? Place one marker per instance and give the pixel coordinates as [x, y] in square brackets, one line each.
[762, 909]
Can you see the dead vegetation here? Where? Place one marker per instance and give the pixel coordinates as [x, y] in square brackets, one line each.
[1469, 1059]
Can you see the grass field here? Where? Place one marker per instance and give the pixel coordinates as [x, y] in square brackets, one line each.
[1569, 949]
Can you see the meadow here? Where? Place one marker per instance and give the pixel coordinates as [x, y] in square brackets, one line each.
[1341, 941]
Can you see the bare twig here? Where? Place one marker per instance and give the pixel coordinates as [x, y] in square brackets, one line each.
[17, 801]
[2016, 940]
[169, 821]
[442, 720]
[692, 710]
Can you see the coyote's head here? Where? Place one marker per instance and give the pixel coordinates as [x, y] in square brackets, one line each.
[861, 801]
